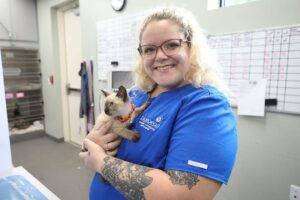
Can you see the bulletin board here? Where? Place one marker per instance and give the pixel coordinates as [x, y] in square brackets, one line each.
[272, 54]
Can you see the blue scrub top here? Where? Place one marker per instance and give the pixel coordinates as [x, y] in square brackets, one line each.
[187, 129]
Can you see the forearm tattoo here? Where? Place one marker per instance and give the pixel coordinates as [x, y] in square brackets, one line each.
[128, 178]
[183, 178]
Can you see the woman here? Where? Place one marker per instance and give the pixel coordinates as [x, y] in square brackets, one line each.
[188, 136]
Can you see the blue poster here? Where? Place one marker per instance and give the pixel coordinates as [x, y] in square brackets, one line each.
[16, 187]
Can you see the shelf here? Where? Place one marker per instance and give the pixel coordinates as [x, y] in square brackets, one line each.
[23, 87]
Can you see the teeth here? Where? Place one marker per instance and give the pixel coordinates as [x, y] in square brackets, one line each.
[164, 68]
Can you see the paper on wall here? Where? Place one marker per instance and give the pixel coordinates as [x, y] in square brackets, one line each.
[251, 97]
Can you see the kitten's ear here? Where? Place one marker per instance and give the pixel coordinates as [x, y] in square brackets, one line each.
[122, 93]
[105, 93]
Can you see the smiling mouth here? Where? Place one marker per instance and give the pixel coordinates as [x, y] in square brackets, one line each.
[164, 68]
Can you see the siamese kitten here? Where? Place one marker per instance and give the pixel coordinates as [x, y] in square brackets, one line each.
[119, 107]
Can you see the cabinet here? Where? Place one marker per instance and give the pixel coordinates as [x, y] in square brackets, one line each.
[23, 89]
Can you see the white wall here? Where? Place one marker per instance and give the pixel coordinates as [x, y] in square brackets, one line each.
[18, 23]
[268, 160]
[5, 153]
[49, 54]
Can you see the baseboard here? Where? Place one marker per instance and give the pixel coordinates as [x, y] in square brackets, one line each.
[26, 136]
[59, 140]
[32, 135]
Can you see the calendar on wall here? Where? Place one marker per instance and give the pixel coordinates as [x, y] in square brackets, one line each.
[271, 54]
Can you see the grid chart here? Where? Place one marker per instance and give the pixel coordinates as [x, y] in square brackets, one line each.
[273, 54]
[117, 42]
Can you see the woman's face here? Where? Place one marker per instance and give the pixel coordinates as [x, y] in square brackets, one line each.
[168, 71]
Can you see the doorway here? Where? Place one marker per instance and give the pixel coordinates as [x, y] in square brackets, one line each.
[70, 58]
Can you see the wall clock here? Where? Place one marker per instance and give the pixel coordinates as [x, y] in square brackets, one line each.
[118, 5]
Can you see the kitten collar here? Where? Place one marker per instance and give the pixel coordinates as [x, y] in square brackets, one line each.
[125, 118]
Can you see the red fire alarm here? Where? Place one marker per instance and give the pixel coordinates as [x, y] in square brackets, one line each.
[51, 79]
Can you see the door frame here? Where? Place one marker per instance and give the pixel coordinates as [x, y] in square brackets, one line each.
[63, 67]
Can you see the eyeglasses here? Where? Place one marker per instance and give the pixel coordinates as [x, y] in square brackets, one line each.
[169, 47]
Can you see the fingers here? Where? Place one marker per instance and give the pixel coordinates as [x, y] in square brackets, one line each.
[97, 134]
[110, 137]
[112, 145]
[83, 155]
[106, 127]
[90, 145]
[94, 157]
[87, 143]
[111, 148]
[112, 153]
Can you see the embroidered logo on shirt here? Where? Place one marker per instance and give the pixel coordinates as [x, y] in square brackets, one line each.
[159, 119]
[197, 164]
[150, 124]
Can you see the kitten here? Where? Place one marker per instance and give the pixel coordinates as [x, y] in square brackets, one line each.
[118, 106]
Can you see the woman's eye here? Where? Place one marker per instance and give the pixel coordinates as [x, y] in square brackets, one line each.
[148, 50]
[171, 45]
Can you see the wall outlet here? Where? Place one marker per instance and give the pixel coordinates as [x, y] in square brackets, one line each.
[294, 192]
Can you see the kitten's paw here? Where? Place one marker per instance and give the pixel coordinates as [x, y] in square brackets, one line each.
[148, 103]
[135, 136]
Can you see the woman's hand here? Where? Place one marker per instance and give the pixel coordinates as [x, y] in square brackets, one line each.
[94, 156]
[107, 140]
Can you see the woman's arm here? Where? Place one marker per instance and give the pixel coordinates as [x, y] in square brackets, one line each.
[140, 182]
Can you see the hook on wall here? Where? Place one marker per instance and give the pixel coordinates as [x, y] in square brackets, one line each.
[9, 34]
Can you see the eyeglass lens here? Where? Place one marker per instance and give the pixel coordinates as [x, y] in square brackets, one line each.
[169, 47]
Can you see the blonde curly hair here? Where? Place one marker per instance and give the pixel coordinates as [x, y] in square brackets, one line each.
[204, 69]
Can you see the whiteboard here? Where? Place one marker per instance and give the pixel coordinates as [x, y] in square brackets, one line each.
[272, 54]
[117, 42]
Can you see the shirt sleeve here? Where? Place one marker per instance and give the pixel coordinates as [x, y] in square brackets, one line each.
[204, 138]
[137, 96]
